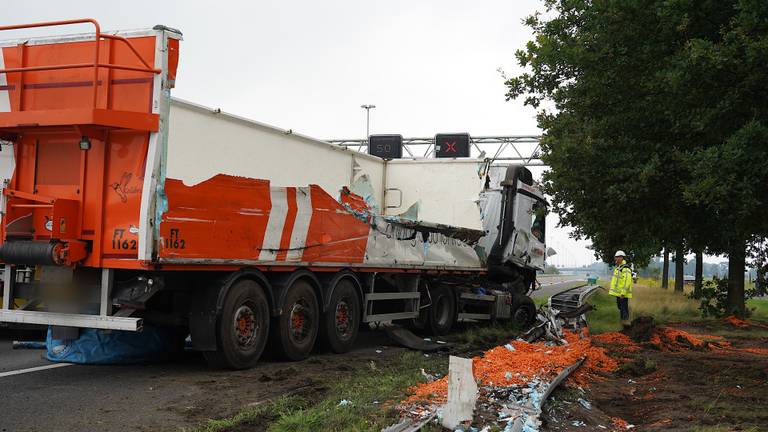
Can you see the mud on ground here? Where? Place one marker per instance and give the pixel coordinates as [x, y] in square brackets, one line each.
[679, 390]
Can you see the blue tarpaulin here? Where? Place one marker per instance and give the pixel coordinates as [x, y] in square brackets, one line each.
[116, 347]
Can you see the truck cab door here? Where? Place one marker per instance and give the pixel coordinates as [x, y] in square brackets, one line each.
[527, 247]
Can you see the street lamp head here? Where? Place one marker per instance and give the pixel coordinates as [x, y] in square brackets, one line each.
[367, 106]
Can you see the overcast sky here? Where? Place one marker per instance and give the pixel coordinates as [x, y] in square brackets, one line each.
[428, 66]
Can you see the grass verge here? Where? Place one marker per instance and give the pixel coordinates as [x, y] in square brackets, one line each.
[665, 305]
[759, 308]
[371, 392]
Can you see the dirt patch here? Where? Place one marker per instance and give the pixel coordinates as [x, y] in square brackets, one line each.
[680, 379]
[641, 329]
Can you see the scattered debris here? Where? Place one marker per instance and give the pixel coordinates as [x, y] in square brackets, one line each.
[345, 402]
[28, 345]
[428, 377]
[585, 403]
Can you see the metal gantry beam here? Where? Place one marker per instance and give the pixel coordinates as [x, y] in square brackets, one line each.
[525, 148]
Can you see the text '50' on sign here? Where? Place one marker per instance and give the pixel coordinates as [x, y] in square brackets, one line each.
[386, 146]
[452, 145]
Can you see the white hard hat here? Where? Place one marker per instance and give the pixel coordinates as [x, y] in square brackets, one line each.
[620, 254]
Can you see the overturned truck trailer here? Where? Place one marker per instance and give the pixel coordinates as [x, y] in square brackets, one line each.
[121, 205]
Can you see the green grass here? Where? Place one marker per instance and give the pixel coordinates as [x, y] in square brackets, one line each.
[478, 335]
[759, 308]
[372, 392]
[265, 411]
[665, 305]
[722, 429]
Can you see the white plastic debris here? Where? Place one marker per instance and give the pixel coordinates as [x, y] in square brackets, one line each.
[379, 351]
[345, 402]
[578, 423]
[429, 377]
[509, 347]
[507, 375]
[585, 403]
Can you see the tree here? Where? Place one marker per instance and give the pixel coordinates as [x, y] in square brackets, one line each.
[698, 282]
[665, 272]
[654, 107]
[550, 269]
[679, 269]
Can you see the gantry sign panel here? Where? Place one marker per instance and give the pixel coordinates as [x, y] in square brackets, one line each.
[386, 146]
[452, 145]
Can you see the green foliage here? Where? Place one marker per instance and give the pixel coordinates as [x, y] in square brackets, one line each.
[656, 127]
[550, 269]
[714, 298]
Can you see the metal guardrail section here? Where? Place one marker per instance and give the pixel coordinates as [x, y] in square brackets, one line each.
[573, 298]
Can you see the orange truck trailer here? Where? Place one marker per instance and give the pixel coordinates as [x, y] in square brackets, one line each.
[123, 206]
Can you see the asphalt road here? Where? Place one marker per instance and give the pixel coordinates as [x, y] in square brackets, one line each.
[164, 396]
[551, 285]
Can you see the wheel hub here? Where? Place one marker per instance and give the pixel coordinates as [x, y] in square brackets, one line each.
[342, 317]
[299, 321]
[245, 325]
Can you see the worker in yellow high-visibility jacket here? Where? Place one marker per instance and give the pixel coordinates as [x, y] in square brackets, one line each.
[621, 285]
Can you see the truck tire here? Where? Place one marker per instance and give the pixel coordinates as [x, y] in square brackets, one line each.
[523, 311]
[295, 330]
[438, 318]
[341, 321]
[243, 328]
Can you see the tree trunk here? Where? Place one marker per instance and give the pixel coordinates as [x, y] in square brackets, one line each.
[698, 283]
[679, 268]
[665, 270]
[736, 262]
[760, 280]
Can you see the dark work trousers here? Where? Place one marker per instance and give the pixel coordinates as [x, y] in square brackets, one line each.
[623, 304]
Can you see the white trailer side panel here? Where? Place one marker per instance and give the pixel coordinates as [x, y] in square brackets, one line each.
[448, 189]
[203, 143]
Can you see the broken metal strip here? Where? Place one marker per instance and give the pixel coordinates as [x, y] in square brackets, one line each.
[559, 378]
[71, 320]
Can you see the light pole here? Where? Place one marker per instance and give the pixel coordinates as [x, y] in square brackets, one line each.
[367, 109]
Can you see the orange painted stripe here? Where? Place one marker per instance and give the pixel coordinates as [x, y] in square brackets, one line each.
[290, 220]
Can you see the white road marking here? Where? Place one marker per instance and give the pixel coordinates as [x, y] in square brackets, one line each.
[34, 369]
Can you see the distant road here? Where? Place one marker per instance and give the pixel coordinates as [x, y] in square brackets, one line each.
[553, 284]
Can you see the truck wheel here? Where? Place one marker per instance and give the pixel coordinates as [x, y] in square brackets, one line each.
[295, 330]
[523, 311]
[341, 322]
[243, 328]
[441, 315]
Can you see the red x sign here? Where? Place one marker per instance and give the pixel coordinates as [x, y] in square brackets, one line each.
[451, 147]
